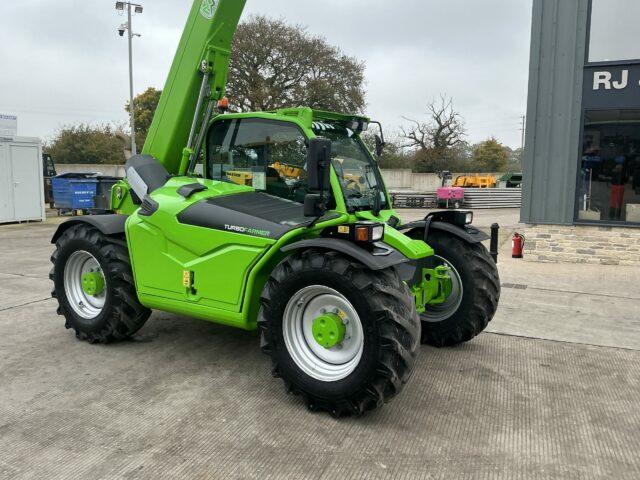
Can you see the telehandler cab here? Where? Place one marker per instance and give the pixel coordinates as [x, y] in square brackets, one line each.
[287, 229]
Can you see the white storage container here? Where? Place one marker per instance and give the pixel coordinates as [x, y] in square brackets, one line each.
[21, 180]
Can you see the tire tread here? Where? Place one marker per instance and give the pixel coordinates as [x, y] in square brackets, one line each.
[486, 281]
[127, 316]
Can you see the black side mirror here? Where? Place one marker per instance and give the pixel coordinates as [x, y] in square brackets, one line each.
[319, 164]
[319, 171]
[379, 146]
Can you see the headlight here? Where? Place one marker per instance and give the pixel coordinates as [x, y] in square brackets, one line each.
[369, 232]
[361, 232]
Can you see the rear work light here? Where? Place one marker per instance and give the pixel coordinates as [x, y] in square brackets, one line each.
[468, 218]
[456, 217]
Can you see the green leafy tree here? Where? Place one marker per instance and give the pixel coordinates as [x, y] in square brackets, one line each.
[276, 65]
[145, 106]
[86, 144]
[490, 156]
[515, 160]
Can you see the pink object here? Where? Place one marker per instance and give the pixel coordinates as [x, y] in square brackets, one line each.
[450, 193]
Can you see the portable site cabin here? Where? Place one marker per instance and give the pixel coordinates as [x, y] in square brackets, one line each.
[21, 180]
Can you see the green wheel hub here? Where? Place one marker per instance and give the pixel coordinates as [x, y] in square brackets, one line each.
[93, 283]
[328, 330]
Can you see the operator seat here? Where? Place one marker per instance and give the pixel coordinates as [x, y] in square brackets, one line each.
[145, 175]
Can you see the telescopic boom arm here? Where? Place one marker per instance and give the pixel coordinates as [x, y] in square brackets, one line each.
[196, 82]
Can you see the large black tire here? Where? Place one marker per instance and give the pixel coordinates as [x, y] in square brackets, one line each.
[481, 291]
[389, 319]
[122, 315]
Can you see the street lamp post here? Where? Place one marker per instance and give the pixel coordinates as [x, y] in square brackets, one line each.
[120, 6]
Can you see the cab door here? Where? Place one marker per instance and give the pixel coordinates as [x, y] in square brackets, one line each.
[201, 251]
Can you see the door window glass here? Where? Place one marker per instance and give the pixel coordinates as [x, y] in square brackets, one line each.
[609, 176]
[269, 156]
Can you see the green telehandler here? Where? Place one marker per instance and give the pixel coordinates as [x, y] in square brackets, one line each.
[278, 222]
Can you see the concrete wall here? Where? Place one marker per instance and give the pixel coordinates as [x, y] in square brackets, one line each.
[394, 179]
[108, 170]
[405, 179]
[558, 48]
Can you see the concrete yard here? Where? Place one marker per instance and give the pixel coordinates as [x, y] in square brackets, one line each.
[551, 391]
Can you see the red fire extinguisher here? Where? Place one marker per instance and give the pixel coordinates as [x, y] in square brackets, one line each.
[518, 246]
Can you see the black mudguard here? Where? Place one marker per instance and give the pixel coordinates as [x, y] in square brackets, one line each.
[467, 233]
[381, 256]
[107, 224]
[442, 222]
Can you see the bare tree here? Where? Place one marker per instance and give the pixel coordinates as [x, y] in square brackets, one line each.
[442, 131]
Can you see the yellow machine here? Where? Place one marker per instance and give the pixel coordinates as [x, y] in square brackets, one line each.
[241, 178]
[287, 171]
[476, 181]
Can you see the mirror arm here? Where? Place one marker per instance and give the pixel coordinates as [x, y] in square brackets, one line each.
[381, 132]
[380, 142]
[323, 164]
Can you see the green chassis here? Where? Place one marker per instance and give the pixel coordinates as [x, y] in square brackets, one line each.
[218, 276]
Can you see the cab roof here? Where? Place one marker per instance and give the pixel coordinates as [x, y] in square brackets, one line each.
[304, 115]
[309, 116]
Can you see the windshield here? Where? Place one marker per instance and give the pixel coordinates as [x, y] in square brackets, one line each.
[355, 167]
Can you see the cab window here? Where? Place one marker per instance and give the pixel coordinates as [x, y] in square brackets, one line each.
[267, 155]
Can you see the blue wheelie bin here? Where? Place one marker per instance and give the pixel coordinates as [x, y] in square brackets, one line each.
[87, 193]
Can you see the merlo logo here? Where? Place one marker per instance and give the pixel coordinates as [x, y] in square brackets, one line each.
[208, 8]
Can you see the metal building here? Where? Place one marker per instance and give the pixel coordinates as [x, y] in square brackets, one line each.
[582, 155]
[21, 180]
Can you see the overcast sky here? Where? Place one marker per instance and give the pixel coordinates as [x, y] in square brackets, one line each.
[62, 61]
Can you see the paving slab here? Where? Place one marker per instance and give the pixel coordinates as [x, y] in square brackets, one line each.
[195, 400]
[552, 393]
[590, 304]
[16, 290]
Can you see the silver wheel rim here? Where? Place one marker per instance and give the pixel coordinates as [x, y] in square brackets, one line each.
[86, 306]
[326, 365]
[440, 313]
